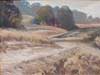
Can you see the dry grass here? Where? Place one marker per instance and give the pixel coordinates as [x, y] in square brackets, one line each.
[82, 62]
[74, 62]
[33, 36]
[88, 25]
[23, 39]
[10, 35]
[47, 27]
[97, 41]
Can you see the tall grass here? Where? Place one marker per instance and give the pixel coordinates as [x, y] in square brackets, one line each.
[15, 35]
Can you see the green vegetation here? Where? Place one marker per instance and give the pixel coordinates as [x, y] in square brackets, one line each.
[65, 18]
[62, 18]
[45, 15]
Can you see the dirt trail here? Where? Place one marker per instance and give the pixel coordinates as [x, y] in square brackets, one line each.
[18, 56]
[14, 57]
[25, 55]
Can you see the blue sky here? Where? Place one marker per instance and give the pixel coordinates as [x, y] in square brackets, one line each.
[91, 7]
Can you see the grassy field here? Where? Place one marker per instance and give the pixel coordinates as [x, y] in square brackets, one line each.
[38, 34]
[18, 39]
[71, 58]
[10, 35]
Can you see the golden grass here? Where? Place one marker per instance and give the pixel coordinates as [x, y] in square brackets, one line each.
[15, 36]
[83, 62]
[74, 62]
[10, 35]
[33, 36]
[23, 39]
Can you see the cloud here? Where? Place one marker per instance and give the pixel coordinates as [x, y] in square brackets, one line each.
[93, 9]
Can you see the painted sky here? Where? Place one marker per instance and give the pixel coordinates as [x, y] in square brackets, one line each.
[91, 7]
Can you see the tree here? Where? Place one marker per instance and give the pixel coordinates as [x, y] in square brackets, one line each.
[10, 15]
[80, 17]
[90, 19]
[60, 17]
[65, 17]
[45, 15]
[35, 7]
[24, 6]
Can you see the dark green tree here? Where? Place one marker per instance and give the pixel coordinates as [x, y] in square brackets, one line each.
[65, 18]
[10, 15]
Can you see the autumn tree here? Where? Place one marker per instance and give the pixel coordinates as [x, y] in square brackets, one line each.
[45, 15]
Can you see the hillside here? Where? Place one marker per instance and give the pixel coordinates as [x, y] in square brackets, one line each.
[48, 54]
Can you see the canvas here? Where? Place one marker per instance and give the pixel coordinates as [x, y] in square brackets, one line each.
[49, 37]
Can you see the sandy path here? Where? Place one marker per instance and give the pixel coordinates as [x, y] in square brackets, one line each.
[12, 58]
[18, 56]
[29, 54]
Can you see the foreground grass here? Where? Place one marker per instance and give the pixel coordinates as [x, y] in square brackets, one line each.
[74, 62]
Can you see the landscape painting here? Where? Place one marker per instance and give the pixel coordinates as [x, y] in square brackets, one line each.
[49, 37]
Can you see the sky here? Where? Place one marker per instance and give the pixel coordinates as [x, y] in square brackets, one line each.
[91, 7]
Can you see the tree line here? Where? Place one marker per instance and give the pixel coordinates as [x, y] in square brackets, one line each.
[61, 17]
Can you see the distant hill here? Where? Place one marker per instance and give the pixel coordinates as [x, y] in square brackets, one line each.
[82, 18]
